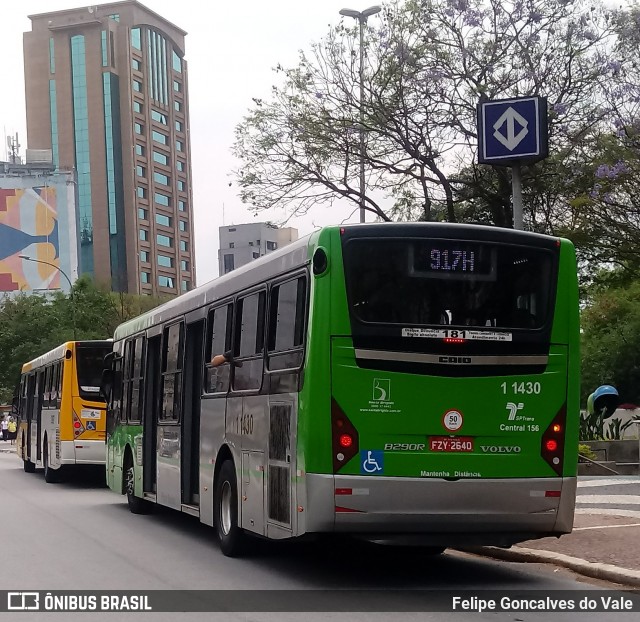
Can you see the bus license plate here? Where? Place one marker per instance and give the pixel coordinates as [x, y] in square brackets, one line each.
[446, 443]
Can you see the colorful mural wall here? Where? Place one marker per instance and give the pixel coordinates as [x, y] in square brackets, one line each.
[37, 220]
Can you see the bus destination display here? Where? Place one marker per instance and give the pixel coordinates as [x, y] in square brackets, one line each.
[452, 260]
[439, 258]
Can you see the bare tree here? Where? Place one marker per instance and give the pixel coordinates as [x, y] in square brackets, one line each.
[427, 66]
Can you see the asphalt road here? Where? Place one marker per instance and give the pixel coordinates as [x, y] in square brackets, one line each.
[78, 535]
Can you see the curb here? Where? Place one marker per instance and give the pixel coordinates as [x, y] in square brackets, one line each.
[595, 570]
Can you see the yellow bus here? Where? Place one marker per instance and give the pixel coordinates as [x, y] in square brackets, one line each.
[61, 413]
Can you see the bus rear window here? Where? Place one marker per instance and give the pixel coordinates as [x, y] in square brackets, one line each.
[443, 281]
[90, 363]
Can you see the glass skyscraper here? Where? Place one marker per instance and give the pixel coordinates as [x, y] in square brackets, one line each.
[107, 92]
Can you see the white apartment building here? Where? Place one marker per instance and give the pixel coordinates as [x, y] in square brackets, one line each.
[240, 244]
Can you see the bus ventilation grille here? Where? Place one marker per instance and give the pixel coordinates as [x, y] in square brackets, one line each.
[279, 494]
[279, 463]
[58, 443]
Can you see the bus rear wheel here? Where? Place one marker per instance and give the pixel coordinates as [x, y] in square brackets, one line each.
[136, 504]
[231, 537]
[51, 476]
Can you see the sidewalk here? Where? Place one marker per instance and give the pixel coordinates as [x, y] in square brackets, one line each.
[6, 447]
[605, 541]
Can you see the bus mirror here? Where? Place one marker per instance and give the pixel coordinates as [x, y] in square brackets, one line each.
[106, 384]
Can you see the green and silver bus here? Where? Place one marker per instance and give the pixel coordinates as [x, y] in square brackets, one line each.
[410, 383]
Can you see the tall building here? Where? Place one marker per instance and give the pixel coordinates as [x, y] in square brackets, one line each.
[38, 242]
[240, 244]
[106, 91]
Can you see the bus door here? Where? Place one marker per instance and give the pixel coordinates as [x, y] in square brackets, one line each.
[28, 415]
[213, 407]
[114, 411]
[149, 416]
[190, 455]
[36, 435]
[169, 484]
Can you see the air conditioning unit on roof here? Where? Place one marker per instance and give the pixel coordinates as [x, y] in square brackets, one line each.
[39, 156]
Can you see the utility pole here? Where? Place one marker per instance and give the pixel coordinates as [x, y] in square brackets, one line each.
[361, 16]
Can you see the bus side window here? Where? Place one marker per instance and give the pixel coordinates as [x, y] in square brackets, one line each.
[54, 386]
[60, 381]
[39, 391]
[130, 355]
[218, 342]
[116, 393]
[30, 383]
[114, 408]
[46, 398]
[137, 381]
[23, 397]
[172, 355]
[51, 370]
[249, 342]
[287, 311]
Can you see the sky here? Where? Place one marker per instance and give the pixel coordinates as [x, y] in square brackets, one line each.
[226, 70]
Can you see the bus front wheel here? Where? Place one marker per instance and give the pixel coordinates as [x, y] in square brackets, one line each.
[136, 504]
[231, 537]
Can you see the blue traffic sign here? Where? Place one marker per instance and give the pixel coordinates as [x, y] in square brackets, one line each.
[512, 131]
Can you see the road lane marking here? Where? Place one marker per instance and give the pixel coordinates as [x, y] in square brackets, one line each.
[609, 512]
[607, 481]
[606, 527]
[609, 499]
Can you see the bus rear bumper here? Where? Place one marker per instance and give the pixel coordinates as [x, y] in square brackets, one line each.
[82, 452]
[459, 512]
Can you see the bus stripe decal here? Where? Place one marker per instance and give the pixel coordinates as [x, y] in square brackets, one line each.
[443, 359]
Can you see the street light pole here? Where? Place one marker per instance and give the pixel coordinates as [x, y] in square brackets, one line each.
[361, 16]
[64, 274]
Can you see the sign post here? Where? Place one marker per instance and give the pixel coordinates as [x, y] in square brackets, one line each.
[512, 132]
[516, 197]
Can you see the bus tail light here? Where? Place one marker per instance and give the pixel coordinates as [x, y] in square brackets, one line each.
[78, 428]
[552, 449]
[346, 440]
[344, 437]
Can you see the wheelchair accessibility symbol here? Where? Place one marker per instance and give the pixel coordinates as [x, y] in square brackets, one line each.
[91, 425]
[372, 462]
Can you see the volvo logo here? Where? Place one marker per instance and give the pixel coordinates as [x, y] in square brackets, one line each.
[455, 360]
[500, 449]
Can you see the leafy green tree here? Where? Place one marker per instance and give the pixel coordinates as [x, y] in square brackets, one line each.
[611, 342]
[606, 207]
[33, 324]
